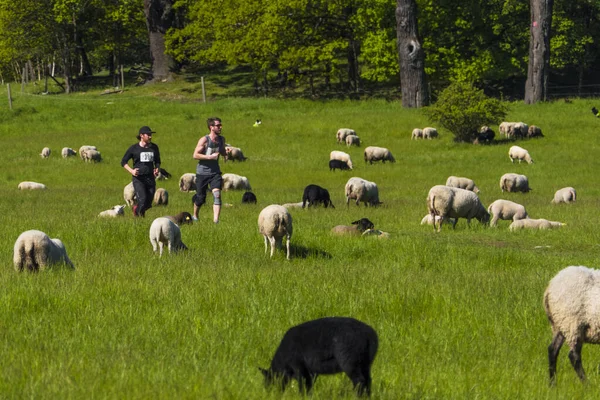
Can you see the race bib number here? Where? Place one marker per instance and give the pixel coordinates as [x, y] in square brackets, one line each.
[146, 157]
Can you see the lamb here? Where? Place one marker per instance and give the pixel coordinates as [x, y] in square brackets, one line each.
[83, 149]
[248, 197]
[430, 133]
[529, 223]
[92, 155]
[341, 156]
[333, 164]
[187, 182]
[377, 233]
[45, 152]
[454, 202]
[35, 251]
[416, 133]
[564, 195]
[373, 153]
[164, 231]
[429, 219]
[234, 153]
[129, 195]
[67, 152]
[275, 222]
[352, 140]
[357, 228]
[360, 189]
[325, 346]
[27, 185]
[235, 182]
[162, 174]
[183, 217]
[514, 183]
[571, 305]
[519, 153]
[462, 183]
[342, 133]
[534, 131]
[161, 197]
[506, 210]
[315, 195]
[116, 211]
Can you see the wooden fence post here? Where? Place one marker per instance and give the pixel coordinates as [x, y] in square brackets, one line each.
[9, 97]
[203, 90]
[122, 78]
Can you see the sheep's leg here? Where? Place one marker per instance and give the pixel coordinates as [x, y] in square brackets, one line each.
[266, 243]
[154, 245]
[160, 246]
[287, 246]
[575, 358]
[170, 246]
[553, 350]
[361, 379]
[455, 221]
[494, 221]
[273, 244]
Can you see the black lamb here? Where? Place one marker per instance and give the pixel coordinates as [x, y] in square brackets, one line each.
[333, 164]
[248, 197]
[315, 195]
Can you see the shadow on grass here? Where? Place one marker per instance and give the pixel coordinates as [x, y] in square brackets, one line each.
[297, 251]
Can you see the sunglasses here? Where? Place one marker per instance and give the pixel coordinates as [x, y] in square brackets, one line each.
[218, 125]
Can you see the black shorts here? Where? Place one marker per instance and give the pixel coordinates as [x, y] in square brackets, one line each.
[214, 181]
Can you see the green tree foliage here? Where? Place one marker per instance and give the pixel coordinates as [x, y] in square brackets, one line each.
[463, 109]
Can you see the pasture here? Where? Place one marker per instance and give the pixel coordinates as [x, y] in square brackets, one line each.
[458, 313]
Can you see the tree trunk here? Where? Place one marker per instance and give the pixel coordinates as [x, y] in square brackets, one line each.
[159, 18]
[536, 87]
[411, 56]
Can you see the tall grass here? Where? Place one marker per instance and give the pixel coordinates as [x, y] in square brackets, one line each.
[459, 313]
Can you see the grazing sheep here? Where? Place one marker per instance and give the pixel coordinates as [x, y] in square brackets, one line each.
[514, 183]
[83, 149]
[45, 152]
[315, 195]
[571, 304]
[564, 195]
[235, 182]
[485, 135]
[430, 133]
[92, 155]
[161, 197]
[162, 174]
[360, 189]
[352, 140]
[534, 131]
[341, 156]
[129, 195]
[187, 182]
[116, 211]
[377, 233]
[248, 197]
[529, 223]
[506, 128]
[275, 222]
[519, 130]
[183, 217]
[234, 154]
[333, 164]
[67, 152]
[27, 185]
[164, 231]
[357, 228]
[416, 133]
[325, 346]
[35, 251]
[519, 153]
[429, 219]
[462, 183]
[454, 202]
[506, 210]
[373, 154]
[342, 133]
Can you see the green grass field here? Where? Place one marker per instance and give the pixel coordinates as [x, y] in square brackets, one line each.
[459, 313]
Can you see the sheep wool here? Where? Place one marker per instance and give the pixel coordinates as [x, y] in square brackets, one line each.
[374, 153]
[361, 190]
[352, 140]
[458, 203]
[34, 251]
[187, 182]
[341, 156]
[514, 183]
[116, 211]
[45, 152]
[67, 152]
[129, 194]
[275, 222]
[342, 133]
[565, 195]
[235, 182]
[506, 210]
[83, 149]
[164, 231]
[161, 197]
[462, 183]
[519, 153]
[430, 133]
[530, 223]
[416, 133]
[27, 185]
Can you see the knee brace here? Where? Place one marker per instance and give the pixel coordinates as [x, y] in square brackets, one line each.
[217, 197]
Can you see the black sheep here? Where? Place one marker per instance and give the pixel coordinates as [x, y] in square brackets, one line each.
[325, 346]
[248, 197]
[333, 164]
[315, 195]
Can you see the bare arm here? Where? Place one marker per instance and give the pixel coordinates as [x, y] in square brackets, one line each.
[200, 149]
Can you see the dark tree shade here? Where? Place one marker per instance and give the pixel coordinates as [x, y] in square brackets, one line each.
[536, 87]
[159, 18]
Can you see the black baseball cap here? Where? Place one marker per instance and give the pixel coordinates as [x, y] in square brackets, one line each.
[145, 130]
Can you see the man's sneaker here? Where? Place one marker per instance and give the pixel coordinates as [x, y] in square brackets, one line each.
[134, 208]
[194, 218]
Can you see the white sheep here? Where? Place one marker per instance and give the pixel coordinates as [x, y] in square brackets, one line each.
[129, 194]
[116, 211]
[352, 140]
[506, 128]
[359, 189]
[234, 154]
[534, 131]
[67, 152]
[529, 223]
[430, 133]
[342, 133]
[341, 156]
[506, 210]
[457, 203]
[83, 149]
[275, 222]
[161, 197]
[429, 219]
[514, 183]
[164, 231]
[374, 153]
[416, 133]
[35, 251]
[27, 185]
[92, 155]
[235, 182]
[564, 195]
[45, 152]
[187, 182]
[571, 302]
[519, 153]
[462, 183]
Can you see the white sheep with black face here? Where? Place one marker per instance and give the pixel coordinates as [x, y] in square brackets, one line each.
[164, 231]
[67, 152]
[34, 251]
[342, 133]
[373, 154]
[417, 133]
[275, 223]
[84, 148]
